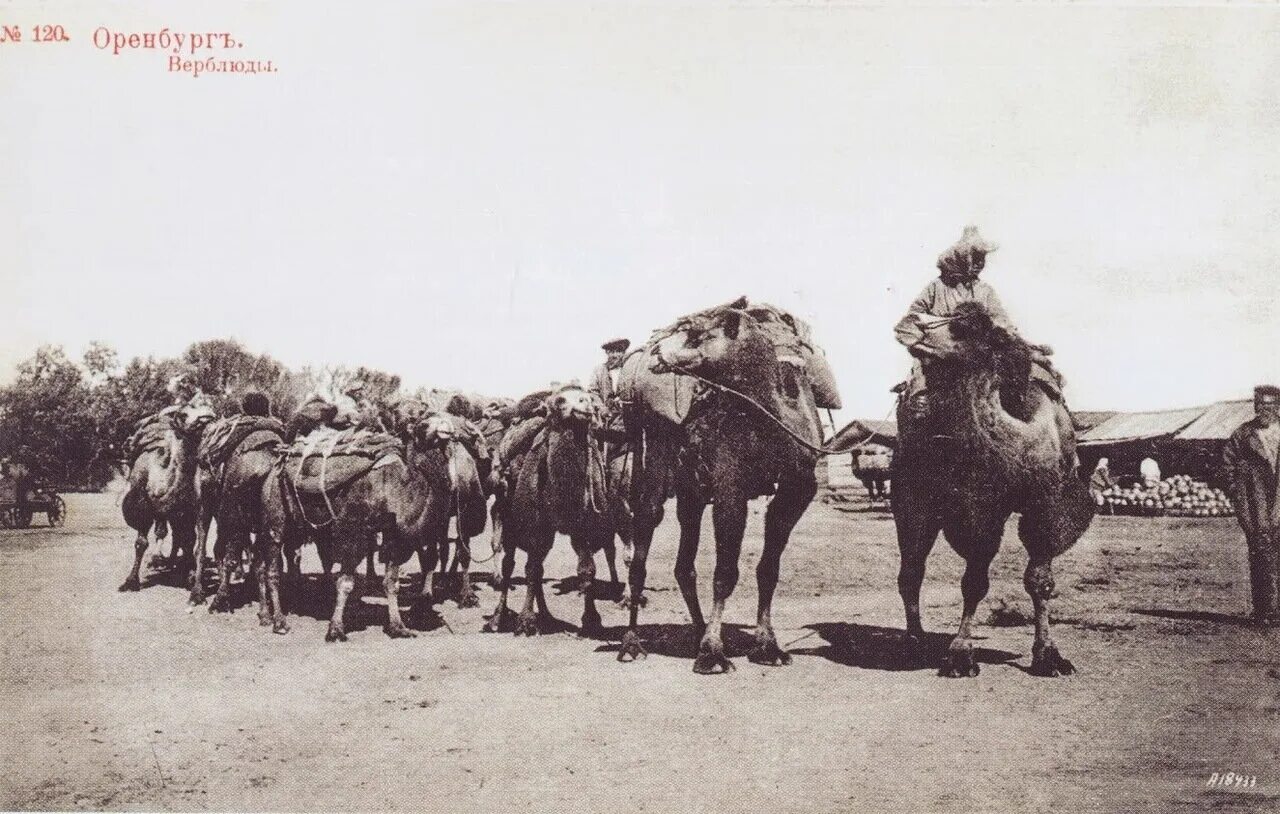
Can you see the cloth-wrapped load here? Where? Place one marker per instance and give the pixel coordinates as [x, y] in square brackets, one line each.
[329, 459]
[242, 432]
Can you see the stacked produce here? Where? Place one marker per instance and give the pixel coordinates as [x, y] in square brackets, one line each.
[1179, 496]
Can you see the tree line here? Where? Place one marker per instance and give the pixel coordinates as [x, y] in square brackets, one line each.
[67, 420]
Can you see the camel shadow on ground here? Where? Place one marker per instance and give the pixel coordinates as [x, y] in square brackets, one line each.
[871, 647]
[851, 645]
[676, 640]
[1196, 616]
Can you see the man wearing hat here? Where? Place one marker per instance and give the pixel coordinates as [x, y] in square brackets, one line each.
[1252, 461]
[957, 282]
[604, 381]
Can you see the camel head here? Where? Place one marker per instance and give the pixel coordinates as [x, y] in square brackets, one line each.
[572, 404]
[982, 346]
[435, 430]
[723, 344]
[190, 419]
[402, 417]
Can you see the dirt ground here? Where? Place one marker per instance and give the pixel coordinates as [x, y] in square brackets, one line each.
[128, 701]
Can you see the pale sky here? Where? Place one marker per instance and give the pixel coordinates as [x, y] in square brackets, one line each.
[476, 195]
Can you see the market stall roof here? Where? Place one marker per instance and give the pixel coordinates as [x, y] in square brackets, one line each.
[1123, 427]
[864, 430]
[1217, 422]
[1088, 419]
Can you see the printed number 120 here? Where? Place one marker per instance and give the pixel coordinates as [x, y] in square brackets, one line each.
[49, 33]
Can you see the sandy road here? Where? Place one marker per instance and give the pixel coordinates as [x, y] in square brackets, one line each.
[126, 701]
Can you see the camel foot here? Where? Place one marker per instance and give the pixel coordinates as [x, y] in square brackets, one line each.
[469, 600]
[499, 622]
[280, 626]
[712, 662]
[196, 598]
[527, 625]
[221, 604]
[335, 634]
[626, 603]
[591, 624]
[399, 631]
[1049, 663]
[769, 653]
[130, 584]
[631, 648]
[959, 663]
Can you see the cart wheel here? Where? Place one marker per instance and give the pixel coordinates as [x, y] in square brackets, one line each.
[57, 512]
[21, 518]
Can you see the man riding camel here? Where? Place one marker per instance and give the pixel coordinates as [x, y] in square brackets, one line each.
[922, 332]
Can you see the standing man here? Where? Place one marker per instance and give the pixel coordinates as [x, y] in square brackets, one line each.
[1252, 461]
[604, 381]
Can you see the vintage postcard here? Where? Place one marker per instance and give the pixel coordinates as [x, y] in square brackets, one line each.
[652, 406]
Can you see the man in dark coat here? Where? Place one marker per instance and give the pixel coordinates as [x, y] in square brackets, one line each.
[1252, 461]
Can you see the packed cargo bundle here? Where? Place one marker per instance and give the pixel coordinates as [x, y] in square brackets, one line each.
[671, 394]
[329, 459]
[246, 432]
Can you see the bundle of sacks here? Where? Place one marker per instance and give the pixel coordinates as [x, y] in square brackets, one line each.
[671, 394]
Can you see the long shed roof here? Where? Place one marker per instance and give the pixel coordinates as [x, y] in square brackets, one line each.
[1217, 422]
[1140, 426]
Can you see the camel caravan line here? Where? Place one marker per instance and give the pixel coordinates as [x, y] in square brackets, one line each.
[717, 409]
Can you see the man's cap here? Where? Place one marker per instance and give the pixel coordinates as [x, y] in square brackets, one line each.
[1267, 394]
[617, 344]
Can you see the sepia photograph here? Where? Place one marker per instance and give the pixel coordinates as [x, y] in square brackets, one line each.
[654, 406]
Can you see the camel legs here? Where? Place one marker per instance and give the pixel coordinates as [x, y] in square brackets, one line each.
[140, 545]
[346, 582]
[648, 491]
[785, 510]
[467, 597]
[587, 582]
[529, 623]
[495, 543]
[232, 553]
[395, 625]
[689, 511]
[977, 541]
[261, 578]
[729, 514]
[184, 542]
[204, 517]
[1046, 661]
[611, 557]
[918, 527]
[1046, 534]
[428, 556]
[497, 621]
[631, 647]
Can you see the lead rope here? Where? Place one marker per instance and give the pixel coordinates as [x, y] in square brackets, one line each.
[795, 436]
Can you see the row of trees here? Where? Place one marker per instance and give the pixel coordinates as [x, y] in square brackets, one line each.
[67, 420]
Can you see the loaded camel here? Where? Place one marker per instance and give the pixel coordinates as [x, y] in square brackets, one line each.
[554, 482]
[235, 457]
[731, 448]
[161, 490]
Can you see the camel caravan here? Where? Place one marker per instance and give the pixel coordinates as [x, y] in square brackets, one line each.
[716, 409]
